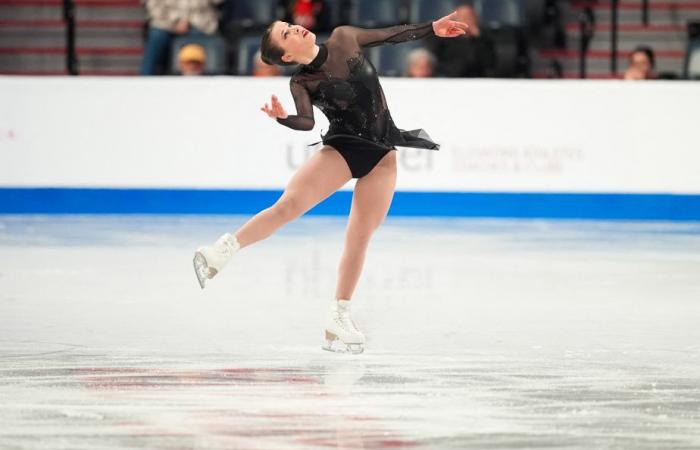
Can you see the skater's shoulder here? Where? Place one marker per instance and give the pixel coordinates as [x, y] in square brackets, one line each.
[341, 31]
[342, 36]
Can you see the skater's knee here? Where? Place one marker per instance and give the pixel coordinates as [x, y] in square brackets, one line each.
[288, 208]
[378, 220]
[360, 236]
[370, 224]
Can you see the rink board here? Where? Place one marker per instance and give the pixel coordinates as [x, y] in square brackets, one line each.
[509, 148]
[445, 204]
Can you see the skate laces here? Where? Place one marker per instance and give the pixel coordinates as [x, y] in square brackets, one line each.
[343, 319]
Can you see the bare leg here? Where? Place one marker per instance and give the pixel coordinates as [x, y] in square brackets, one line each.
[319, 177]
[370, 204]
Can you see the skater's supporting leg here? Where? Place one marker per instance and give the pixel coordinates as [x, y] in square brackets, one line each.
[319, 177]
[370, 204]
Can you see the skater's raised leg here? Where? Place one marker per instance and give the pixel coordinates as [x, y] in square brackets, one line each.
[319, 177]
[323, 174]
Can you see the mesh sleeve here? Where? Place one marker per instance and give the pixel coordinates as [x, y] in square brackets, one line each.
[304, 118]
[391, 35]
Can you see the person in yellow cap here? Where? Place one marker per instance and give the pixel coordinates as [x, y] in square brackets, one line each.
[168, 19]
[191, 59]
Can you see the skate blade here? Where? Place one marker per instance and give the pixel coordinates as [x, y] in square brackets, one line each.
[335, 345]
[339, 347]
[201, 269]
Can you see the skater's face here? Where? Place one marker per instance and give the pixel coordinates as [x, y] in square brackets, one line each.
[295, 40]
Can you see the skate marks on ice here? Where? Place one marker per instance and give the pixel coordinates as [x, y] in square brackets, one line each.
[367, 401]
[480, 334]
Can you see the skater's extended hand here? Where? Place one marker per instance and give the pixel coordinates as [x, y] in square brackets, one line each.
[447, 27]
[276, 110]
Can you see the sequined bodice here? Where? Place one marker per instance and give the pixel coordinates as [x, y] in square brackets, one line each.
[344, 84]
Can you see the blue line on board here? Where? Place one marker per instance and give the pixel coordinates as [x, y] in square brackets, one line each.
[456, 204]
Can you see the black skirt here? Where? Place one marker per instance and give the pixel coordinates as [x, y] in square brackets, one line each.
[362, 154]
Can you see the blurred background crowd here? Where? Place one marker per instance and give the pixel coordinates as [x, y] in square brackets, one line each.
[637, 40]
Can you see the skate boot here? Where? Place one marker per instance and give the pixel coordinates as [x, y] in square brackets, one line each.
[342, 335]
[208, 261]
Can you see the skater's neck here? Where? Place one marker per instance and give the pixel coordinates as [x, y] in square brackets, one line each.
[309, 56]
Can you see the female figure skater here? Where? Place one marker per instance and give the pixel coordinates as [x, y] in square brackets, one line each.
[341, 82]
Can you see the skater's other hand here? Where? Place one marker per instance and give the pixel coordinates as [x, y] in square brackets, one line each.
[447, 27]
[276, 111]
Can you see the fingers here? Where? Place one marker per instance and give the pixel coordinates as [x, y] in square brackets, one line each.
[276, 103]
[276, 106]
[274, 109]
[447, 18]
[266, 109]
[460, 25]
[457, 28]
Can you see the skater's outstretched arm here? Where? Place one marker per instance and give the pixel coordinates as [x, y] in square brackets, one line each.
[444, 27]
[304, 118]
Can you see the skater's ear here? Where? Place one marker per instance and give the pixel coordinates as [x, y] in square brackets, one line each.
[270, 52]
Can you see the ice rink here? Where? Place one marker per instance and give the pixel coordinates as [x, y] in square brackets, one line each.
[480, 334]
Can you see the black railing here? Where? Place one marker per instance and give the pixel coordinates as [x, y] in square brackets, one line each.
[69, 19]
[613, 36]
[645, 13]
[586, 26]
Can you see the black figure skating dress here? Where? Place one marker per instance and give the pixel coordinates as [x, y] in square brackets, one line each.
[343, 84]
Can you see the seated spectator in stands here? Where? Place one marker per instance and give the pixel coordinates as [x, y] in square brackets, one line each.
[641, 64]
[310, 14]
[191, 60]
[420, 63]
[261, 69]
[169, 18]
[472, 55]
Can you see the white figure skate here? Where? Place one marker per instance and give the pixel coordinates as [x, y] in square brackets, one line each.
[208, 261]
[342, 335]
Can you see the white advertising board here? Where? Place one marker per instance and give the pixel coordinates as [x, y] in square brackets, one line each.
[495, 135]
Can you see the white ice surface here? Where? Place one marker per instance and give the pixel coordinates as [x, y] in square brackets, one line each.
[481, 334]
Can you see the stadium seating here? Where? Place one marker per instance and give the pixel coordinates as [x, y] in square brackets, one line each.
[247, 47]
[499, 13]
[427, 10]
[511, 53]
[534, 13]
[390, 60]
[250, 13]
[376, 13]
[692, 62]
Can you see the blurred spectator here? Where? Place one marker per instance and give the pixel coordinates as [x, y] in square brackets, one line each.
[472, 55]
[641, 64]
[261, 69]
[310, 14]
[420, 63]
[191, 60]
[168, 18]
